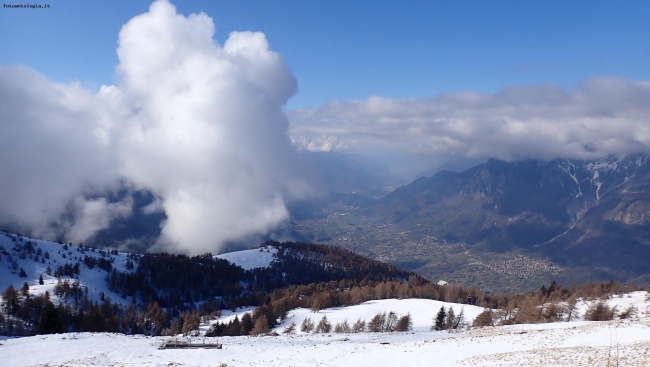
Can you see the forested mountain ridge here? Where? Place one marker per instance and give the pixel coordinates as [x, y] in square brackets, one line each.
[178, 281]
[51, 287]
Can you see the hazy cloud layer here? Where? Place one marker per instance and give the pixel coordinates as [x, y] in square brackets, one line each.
[199, 124]
[599, 117]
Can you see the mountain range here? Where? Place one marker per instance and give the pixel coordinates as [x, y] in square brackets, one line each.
[567, 220]
[500, 226]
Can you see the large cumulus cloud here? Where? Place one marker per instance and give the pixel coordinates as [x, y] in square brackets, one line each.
[198, 124]
[601, 116]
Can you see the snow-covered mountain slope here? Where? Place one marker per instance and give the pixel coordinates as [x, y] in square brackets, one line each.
[36, 256]
[624, 343]
[251, 259]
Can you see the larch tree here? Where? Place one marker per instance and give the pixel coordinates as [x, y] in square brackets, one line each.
[261, 326]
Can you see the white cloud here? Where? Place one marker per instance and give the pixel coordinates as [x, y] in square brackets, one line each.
[323, 143]
[199, 125]
[93, 215]
[49, 154]
[602, 116]
[202, 127]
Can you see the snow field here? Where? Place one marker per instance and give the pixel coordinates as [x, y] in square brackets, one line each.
[576, 343]
[422, 312]
[640, 300]
[560, 344]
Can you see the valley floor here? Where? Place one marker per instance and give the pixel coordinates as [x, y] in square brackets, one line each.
[613, 343]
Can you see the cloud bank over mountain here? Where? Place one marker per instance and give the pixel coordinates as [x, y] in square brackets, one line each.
[601, 116]
[198, 124]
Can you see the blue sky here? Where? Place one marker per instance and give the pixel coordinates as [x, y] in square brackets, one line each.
[350, 50]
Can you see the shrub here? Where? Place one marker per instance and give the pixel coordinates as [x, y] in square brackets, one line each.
[628, 312]
[342, 327]
[485, 318]
[553, 312]
[600, 311]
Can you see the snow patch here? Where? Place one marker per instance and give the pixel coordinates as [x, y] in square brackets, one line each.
[251, 259]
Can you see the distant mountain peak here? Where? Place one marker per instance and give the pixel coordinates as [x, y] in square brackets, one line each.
[593, 212]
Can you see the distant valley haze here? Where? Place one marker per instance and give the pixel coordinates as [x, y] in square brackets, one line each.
[195, 126]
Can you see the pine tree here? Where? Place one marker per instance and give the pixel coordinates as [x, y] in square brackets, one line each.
[307, 325]
[246, 324]
[439, 321]
[323, 326]
[391, 321]
[450, 320]
[342, 327]
[25, 289]
[405, 323]
[191, 322]
[291, 329]
[261, 326]
[10, 297]
[359, 326]
[316, 305]
[40, 279]
[460, 319]
[571, 308]
[376, 324]
[177, 326]
[50, 321]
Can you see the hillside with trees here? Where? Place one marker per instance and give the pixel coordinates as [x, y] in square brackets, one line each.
[166, 294]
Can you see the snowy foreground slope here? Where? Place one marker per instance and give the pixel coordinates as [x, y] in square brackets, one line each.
[576, 343]
[558, 344]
